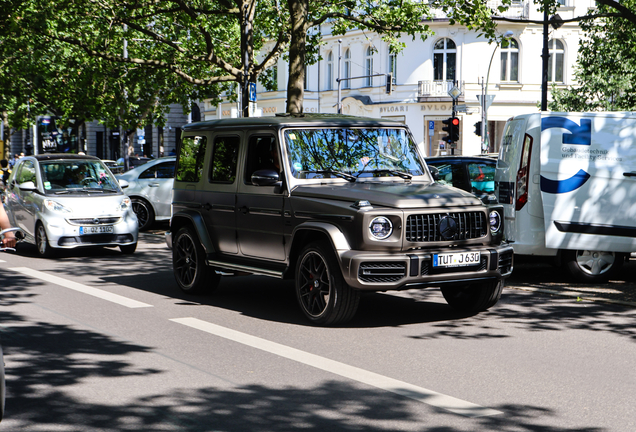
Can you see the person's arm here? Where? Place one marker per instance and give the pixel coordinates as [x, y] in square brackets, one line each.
[9, 238]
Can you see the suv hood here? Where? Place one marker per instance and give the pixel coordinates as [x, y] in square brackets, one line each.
[391, 194]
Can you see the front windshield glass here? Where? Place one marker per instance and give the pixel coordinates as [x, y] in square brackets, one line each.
[66, 176]
[352, 153]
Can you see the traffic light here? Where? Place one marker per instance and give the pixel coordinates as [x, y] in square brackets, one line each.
[389, 83]
[478, 128]
[454, 129]
[448, 129]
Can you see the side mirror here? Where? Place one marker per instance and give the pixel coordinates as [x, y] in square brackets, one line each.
[123, 184]
[27, 186]
[434, 172]
[265, 177]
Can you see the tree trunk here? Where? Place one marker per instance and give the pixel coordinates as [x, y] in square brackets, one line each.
[298, 10]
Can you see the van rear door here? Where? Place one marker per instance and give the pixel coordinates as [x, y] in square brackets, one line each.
[588, 181]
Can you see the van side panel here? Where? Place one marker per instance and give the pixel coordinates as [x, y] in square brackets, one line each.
[589, 196]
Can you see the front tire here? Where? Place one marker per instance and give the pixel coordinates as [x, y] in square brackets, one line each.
[145, 213]
[592, 266]
[191, 272]
[42, 241]
[474, 298]
[128, 249]
[323, 295]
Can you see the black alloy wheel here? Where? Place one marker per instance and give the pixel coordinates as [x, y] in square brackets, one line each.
[191, 272]
[322, 293]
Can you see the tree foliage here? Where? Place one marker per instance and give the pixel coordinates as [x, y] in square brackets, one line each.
[606, 66]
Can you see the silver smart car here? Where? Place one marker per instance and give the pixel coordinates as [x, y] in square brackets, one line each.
[69, 201]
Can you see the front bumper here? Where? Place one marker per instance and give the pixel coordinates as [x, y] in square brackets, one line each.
[65, 235]
[378, 272]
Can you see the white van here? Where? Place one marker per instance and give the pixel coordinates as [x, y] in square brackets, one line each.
[568, 185]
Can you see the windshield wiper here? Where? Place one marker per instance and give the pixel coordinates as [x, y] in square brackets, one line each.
[345, 176]
[404, 175]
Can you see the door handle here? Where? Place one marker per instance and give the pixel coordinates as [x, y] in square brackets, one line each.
[245, 210]
[153, 184]
[207, 206]
[629, 174]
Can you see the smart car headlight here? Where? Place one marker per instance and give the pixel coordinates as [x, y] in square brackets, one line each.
[56, 207]
[381, 227]
[495, 221]
[124, 205]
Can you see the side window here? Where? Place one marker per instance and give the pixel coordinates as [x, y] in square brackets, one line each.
[27, 173]
[451, 174]
[162, 170]
[482, 178]
[262, 153]
[224, 157]
[190, 159]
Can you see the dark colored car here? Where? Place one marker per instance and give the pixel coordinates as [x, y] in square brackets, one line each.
[339, 204]
[475, 174]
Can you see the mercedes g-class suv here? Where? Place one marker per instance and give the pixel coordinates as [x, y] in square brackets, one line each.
[339, 204]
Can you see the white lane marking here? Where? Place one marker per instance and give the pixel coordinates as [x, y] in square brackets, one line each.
[402, 388]
[95, 292]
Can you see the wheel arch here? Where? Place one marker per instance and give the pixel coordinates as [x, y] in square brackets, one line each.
[315, 231]
[194, 220]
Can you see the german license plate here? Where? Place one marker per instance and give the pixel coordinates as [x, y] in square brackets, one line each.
[103, 229]
[456, 259]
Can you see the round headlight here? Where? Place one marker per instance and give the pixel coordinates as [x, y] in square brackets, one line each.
[495, 221]
[381, 227]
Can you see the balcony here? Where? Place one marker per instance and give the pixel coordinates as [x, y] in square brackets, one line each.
[437, 90]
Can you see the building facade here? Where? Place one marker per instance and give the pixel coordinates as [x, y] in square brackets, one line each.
[509, 73]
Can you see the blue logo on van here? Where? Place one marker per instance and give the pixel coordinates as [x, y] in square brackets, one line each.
[579, 134]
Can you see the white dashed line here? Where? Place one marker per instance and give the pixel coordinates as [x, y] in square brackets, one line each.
[402, 388]
[95, 292]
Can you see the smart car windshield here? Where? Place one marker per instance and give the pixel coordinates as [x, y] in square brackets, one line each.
[360, 153]
[76, 176]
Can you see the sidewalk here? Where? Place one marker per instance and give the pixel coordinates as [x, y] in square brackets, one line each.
[547, 279]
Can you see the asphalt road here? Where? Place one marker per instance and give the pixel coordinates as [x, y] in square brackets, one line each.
[99, 341]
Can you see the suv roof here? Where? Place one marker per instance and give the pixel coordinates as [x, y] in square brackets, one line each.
[330, 120]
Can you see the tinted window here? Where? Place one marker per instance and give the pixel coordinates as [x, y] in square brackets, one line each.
[162, 170]
[451, 174]
[261, 154]
[190, 159]
[224, 156]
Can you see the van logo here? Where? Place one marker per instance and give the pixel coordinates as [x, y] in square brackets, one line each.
[579, 134]
[447, 227]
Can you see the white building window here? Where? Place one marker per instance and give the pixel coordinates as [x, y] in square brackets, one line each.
[329, 78]
[444, 60]
[393, 66]
[368, 66]
[510, 60]
[347, 69]
[556, 60]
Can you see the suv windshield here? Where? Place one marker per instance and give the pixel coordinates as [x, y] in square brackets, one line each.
[352, 153]
[66, 176]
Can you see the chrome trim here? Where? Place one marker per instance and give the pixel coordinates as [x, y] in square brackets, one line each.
[254, 270]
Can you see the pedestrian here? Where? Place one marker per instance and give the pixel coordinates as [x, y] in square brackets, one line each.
[13, 160]
[9, 239]
[4, 166]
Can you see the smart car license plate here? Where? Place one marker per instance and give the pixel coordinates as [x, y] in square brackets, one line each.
[103, 229]
[457, 259]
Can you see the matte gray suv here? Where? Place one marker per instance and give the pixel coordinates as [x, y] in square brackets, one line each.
[340, 204]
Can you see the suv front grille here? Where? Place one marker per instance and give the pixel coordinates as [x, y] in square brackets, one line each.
[95, 221]
[425, 227]
[378, 272]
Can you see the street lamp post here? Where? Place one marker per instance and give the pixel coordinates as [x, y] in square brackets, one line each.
[484, 100]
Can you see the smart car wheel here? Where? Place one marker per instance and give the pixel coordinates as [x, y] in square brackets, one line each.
[592, 266]
[475, 297]
[42, 241]
[191, 272]
[322, 293]
[144, 212]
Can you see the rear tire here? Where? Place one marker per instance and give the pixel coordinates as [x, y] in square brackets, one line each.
[323, 295]
[145, 213]
[191, 272]
[475, 297]
[42, 241]
[592, 266]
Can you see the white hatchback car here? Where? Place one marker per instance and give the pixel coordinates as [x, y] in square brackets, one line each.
[69, 201]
